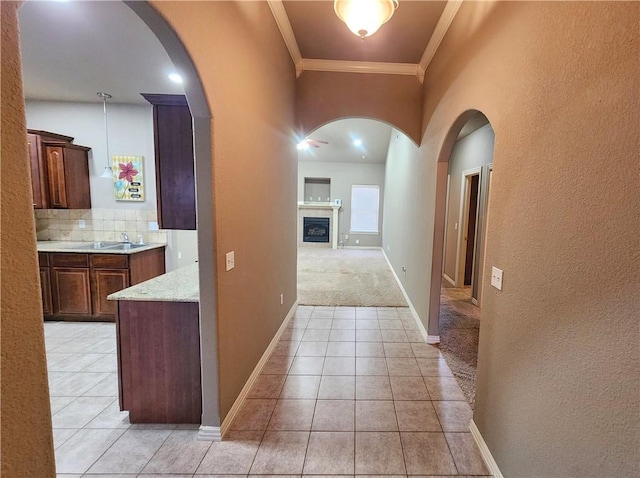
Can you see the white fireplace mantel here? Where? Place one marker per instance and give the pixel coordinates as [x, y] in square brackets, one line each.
[320, 209]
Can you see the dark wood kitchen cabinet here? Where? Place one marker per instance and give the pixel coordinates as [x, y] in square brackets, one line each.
[80, 283]
[175, 178]
[39, 177]
[59, 171]
[70, 287]
[45, 284]
[68, 171]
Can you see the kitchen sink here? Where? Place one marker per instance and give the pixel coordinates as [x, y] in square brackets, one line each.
[124, 246]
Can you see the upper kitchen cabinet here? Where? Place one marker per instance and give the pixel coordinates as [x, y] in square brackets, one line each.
[175, 180]
[59, 171]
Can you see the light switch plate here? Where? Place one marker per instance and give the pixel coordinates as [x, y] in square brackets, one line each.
[231, 260]
[496, 278]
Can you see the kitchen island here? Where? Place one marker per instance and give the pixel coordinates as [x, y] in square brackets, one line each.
[158, 345]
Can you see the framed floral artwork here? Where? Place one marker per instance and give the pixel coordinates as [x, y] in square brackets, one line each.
[128, 177]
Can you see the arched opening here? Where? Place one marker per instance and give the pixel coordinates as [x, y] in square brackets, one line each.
[342, 169]
[461, 221]
[201, 118]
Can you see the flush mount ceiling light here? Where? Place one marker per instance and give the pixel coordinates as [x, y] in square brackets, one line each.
[108, 172]
[365, 17]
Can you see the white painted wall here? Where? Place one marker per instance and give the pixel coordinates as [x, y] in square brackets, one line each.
[130, 133]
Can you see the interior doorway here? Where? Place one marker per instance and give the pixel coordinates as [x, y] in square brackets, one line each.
[469, 228]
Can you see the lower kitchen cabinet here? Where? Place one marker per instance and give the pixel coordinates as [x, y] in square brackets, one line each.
[45, 283]
[71, 291]
[105, 282]
[75, 286]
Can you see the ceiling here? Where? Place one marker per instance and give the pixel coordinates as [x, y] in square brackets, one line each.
[320, 34]
[73, 49]
[341, 134]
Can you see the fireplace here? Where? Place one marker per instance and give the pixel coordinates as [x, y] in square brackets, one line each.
[315, 229]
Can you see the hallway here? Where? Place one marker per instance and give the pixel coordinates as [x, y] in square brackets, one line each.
[347, 391]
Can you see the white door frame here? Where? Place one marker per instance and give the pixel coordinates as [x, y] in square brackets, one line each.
[465, 191]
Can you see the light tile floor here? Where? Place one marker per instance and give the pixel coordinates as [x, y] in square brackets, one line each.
[347, 391]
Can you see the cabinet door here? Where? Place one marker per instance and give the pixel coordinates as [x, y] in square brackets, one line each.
[55, 170]
[175, 179]
[45, 285]
[71, 291]
[38, 173]
[103, 283]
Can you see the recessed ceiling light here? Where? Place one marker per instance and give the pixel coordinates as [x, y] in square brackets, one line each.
[357, 142]
[363, 157]
[175, 78]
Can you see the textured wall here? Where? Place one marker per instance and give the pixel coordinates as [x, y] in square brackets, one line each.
[323, 96]
[27, 444]
[248, 78]
[558, 382]
[343, 176]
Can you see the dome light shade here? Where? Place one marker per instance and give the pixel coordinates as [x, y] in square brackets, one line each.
[364, 17]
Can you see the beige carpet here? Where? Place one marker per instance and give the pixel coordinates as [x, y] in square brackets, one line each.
[346, 277]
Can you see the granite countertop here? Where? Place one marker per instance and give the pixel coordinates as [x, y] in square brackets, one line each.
[87, 247]
[181, 285]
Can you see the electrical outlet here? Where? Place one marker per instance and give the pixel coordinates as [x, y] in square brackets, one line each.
[281, 299]
[81, 224]
[231, 260]
[346, 236]
[357, 241]
[153, 226]
[496, 278]
[179, 255]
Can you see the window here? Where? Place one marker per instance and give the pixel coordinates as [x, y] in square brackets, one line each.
[365, 205]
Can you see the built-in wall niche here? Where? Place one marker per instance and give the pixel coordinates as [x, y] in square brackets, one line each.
[317, 189]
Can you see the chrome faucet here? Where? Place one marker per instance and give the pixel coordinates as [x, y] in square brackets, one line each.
[125, 238]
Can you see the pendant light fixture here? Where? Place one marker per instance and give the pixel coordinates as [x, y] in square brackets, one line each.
[108, 171]
[365, 17]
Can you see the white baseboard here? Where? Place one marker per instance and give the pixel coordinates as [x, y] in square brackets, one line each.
[207, 433]
[430, 339]
[448, 279]
[226, 423]
[484, 451]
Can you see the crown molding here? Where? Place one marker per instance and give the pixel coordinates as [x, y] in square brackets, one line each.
[282, 20]
[448, 14]
[342, 66]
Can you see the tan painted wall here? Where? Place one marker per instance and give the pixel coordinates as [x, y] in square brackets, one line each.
[558, 381]
[27, 442]
[322, 97]
[248, 78]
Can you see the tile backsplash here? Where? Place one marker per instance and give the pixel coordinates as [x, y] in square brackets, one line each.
[99, 225]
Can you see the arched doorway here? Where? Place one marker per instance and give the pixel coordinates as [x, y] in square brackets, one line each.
[342, 170]
[468, 156]
[201, 115]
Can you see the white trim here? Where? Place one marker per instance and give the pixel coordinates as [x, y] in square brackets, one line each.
[342, 66]
[282, 20]
[448, 279]
[207, 433]
[226, 423]
[484, 451]
[448, 14]
[430, 339]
